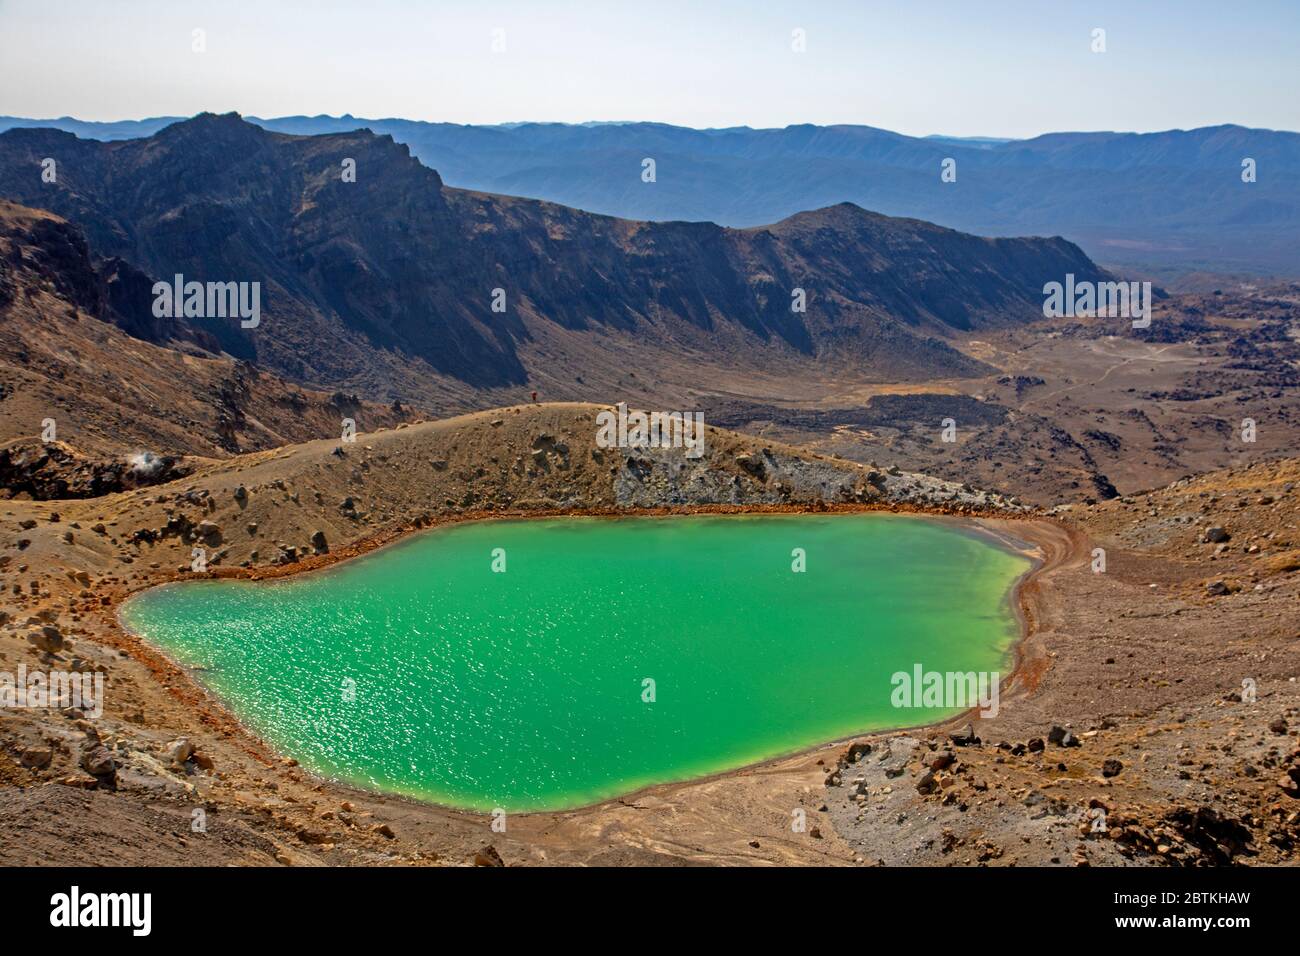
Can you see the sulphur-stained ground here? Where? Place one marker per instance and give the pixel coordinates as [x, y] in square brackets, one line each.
[1151, 717]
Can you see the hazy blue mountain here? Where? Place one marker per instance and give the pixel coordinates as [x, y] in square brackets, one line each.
[1171, 201]
[91, 129]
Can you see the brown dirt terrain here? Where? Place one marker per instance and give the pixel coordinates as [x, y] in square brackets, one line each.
[1077, 409]
[1143, 665]
[1138, 674]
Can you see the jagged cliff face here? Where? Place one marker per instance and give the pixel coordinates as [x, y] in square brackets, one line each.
[47, 252]
[122, 387]
[386, 284]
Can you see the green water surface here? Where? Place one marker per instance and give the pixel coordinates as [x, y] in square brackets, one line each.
[419, 670]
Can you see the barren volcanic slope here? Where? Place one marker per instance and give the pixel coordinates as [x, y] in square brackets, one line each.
[385, 285]
[77, 356]
[1078, 408]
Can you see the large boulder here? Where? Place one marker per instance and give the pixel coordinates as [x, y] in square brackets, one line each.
[180, 750]
[99, 763]
[47, 638]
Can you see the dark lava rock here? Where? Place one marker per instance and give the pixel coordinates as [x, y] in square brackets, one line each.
[53, 471]
[1062, 737]
[965, 736]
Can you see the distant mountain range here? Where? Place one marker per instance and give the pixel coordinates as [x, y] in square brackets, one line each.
[386, 285]
[1170, 202]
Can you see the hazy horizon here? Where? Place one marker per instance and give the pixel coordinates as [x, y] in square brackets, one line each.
[1011, 70]
[972, 137]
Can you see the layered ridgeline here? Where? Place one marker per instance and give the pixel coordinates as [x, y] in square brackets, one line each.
[386, 284]
[1172, 201]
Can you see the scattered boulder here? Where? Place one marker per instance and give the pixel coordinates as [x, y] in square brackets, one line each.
[488, 856]
[319, 543]
[940, 760]
[180, 750]
[36, 758]
[856, 751]
[99, 763]
[1062, 737]
[1215, 535]
[47, 638]
[964, 737]
[1111, 768]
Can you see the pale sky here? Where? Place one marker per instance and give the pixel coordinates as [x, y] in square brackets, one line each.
[963, 67]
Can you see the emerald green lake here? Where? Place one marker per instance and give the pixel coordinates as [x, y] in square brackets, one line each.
[418, 669]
